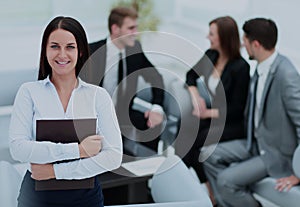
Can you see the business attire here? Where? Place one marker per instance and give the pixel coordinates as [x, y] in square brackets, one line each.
[234, 82]
[39, 100]
[104, 58]
[276, 132]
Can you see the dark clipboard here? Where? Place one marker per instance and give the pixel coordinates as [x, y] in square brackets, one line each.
[64, 131]
[203, 91]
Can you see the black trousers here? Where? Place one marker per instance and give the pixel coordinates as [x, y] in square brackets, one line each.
[29, 197]
[191, 158]
[230, 132]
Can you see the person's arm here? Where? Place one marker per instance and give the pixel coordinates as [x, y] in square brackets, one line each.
[200, 109]
[291, 98]
[155, 116]
[110, 156]
[23, 146]
[203, 66]
[148, 71]
[290, 90]
[198, 102]
[150, 74]
[286, 183]
[89, 147]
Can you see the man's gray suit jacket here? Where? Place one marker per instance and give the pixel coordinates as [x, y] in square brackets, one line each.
[278, 130]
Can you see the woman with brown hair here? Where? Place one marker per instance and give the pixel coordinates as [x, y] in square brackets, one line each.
[224, 72]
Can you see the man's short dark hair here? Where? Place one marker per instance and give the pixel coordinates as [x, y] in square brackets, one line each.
[118, 14]
[263, 30]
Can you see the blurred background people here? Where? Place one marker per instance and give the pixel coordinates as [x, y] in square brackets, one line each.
[221, 68]
[118, 63]
[273, 129]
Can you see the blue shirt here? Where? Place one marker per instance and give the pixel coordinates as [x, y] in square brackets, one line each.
[39, 100]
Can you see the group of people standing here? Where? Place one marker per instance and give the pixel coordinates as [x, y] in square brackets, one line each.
[260, 142]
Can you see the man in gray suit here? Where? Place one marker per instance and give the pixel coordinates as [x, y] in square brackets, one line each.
[273, 124]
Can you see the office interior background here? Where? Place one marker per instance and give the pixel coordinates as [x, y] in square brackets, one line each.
[22, 24]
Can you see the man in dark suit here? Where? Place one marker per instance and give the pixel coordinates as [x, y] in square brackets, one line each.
[273, 129]
[121, 49]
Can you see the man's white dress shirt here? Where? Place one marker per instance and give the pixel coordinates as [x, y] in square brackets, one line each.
[263, 69]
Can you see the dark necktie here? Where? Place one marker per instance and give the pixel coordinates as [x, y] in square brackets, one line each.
[120, 89]
[120, 68]
[251, 107]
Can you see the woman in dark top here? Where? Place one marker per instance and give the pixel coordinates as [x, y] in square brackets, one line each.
[224, 72]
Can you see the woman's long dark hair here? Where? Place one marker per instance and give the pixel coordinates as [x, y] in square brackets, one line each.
[71, 25]
[229, 36]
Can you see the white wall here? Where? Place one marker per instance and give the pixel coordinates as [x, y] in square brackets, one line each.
[190, 18]
[22, 23]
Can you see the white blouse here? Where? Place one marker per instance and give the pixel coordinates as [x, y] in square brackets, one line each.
[213, 83]
[39, 100]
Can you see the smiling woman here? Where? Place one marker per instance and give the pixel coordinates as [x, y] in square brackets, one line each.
[63, 53]
[62, 43]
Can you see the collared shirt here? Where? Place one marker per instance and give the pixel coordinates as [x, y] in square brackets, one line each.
[39, 100]
[110, 81]
[263, 70]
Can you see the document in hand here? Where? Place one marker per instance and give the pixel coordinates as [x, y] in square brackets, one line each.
[203, 91]
[144, 167]
[141, 105]
[64, 131]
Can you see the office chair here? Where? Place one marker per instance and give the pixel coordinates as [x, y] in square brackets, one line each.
[173, 182]
[265, 187]
[10, 183]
